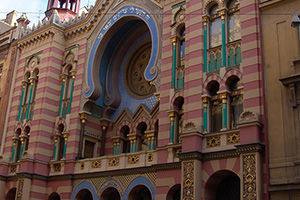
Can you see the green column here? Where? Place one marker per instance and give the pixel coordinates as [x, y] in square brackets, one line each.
[21, 102]
[172, 131]
[223, 42]
[65, 146]
[224, 113]
[61, 97]
[13, 150]
[29, 99]
[205, 115]
[134, 145]
[149, 143]
[54, 148]
[22, 148]
[174, 65]
[115, 148]
[153, 143]
[71, 94]
[131, 146]
[118, 148]
[205, 48]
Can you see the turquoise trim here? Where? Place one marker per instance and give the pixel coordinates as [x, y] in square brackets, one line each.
[178, 5]
[118, 150]
[205, 118]
[29, 100]
[149, 144]
[153, 144]
[174, 66]
[224, 115]
[172, 131]
[13, 152]
[65, 148]
[61, 98]
[21, 151]
[21, 102]
[71, 95]
[205, 49]
[54, 150]
[223, 43]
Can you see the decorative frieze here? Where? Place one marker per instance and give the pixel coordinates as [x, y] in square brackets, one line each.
[133, 159]
[233, 138]
[249, 177]
[188, 181]
[113, 162]
[213, 141]
[96, 164]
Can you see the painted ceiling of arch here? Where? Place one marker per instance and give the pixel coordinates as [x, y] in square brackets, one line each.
[122, 69]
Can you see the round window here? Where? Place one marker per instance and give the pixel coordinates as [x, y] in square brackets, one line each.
[133, 76]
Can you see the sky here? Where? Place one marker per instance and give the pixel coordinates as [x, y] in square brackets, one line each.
[34, 9]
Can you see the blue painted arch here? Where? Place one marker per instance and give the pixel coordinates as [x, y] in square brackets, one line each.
[139, 181]
[84, 185]
[121, 13]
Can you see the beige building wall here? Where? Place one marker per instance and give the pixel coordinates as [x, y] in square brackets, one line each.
[281, 62]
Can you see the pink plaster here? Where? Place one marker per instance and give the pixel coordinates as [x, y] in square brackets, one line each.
[194, 68]
[162, 189]
[166, 73]
[164, 100]
[195, 54]
[22, 61]
[165, 86]
[248, 23]
[250, 53]
[176, 174]
[191, 143]
[249, 134]
[162, 155]
[167, 48]
[250, 69]
[166, 61]
[69, 168]
[52, 59]
[247, 9]
[193, 114]
[237, 166]
[252, 85]
[206, 166]
[55, 50]
[249, 38]
[248, 103]
[36, 195]
[83, 46]
[222, 163]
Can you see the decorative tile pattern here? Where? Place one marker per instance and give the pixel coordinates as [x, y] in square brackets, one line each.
[249, 177]
[188, 181]
[213, 141]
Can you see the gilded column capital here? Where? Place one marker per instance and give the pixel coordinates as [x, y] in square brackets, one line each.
[104, 123]
[149, 134]
[222, 12]
[205, 99]
[171, 114]
[83, 116]
[63, 77]
[205, 19]
[173, 39]
[158, 95]
[73, 73]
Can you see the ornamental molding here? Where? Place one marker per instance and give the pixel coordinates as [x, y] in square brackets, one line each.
[249, 177]
[188, 181]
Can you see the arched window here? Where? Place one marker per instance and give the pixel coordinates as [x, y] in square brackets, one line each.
[66, 93]
[125, 143]
[215, 31]
[141, 139]
[11, 194]
[61, 142]
[16, 146]
[236, 100]
[34, 81]
[25, 94]
[215, 107]
[178, 122]
[54, 196]
[181, 60]
[222, 35]
[234, 22]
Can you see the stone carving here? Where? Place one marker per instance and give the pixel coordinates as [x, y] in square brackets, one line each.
[113, 162]
[233, 138]
[133, 159]
[213, 141]
[249, 177]
[248, 116]
[96, 164]
[20, 188]
[57, 167]
[188, 181]
[150, 157]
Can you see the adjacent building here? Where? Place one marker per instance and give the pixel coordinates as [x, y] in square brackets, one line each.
[138, 100]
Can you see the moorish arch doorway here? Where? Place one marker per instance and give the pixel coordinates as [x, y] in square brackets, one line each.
[84, 194]
[11, 195]
[140, 192]
[223, 185]
[110, 194]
